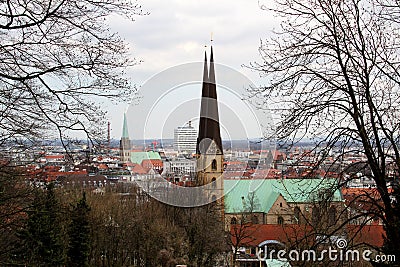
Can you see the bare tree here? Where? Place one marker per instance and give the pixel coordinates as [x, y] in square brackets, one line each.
[16, 199]
[57, 57]
[243, 226]
[333, 77]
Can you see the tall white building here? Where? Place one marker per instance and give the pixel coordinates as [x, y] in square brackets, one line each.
[185, 139]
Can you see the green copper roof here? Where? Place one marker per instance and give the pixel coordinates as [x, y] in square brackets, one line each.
[125, 133]
[266, 191]
[138, 157]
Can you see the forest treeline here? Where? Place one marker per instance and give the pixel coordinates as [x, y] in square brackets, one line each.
[52, 225]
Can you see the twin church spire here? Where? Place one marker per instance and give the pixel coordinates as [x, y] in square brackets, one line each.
[209, 129]
[209, 153]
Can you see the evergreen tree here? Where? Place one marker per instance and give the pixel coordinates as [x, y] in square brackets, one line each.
[42, 236]
[79, 234]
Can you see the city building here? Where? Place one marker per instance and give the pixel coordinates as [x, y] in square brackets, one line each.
[179, 167]
[277, 201]
[185, 138]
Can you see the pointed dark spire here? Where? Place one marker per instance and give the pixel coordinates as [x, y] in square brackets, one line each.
[125, 133]
[209, 128]
[204, 92]
[211, 76]
[205, 70]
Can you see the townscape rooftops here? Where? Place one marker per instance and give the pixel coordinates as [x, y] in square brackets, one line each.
[266, 191]
[138, 169]
[138, 157]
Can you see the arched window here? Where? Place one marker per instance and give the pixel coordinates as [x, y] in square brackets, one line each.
[213, 198]
[297, 215]
[233, 220]
[332, 215]
[214, 165]
[280, 220]
[213, 183]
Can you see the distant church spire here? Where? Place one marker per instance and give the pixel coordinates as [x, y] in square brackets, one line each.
[125, 143]
[125, 133]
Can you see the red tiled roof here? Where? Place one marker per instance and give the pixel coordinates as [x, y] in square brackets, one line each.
[154, 162]
[102, 167]
[54, 156]
[362, 199]
[278, 155]
[267, 174]
[261, 232]
[138, 169]
[372, 235]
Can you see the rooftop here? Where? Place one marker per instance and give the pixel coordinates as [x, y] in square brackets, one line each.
[266, 191]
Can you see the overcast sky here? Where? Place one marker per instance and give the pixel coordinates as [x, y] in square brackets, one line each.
[176, 31]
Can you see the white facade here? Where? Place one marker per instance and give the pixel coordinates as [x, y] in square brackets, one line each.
[185, 139]
[179, 166]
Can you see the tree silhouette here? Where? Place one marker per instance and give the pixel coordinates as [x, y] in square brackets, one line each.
[79, 234]
[42, 236]
[332, 78]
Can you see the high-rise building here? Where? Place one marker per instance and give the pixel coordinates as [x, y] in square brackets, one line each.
[125, 143]
[185, 138]
[209, 153]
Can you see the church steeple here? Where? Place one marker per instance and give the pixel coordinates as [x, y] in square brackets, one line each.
[125, 143]
[125, 133]
[209, 129]
[209, 153]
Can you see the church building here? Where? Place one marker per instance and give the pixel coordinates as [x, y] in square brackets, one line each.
[125, 143]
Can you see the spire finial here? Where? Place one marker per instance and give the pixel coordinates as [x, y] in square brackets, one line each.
[212, 35]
